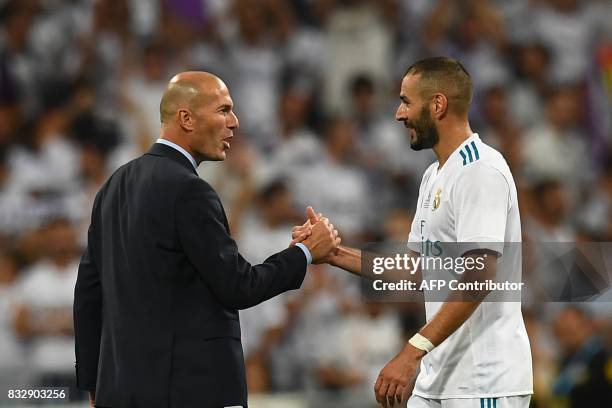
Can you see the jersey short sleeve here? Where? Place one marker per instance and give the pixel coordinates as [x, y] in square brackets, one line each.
[481, 202]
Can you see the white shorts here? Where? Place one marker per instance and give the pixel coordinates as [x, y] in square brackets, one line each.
[519, 401]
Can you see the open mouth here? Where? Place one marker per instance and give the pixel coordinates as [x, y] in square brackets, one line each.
[226, 143]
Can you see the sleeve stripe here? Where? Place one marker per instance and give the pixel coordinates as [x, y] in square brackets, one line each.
[469, 152]
[475, 150]
[470, 158]
[463, 155]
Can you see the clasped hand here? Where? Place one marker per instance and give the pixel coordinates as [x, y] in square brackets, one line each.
[319, 236]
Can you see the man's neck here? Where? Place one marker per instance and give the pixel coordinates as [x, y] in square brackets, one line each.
[450, 139]
[178, 142]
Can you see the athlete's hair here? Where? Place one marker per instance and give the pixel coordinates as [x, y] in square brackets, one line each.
[446, 76]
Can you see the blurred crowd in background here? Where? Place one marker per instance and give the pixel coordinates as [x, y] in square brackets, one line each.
[315, 85]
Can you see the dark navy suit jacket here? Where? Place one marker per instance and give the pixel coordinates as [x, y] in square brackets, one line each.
[159, 288]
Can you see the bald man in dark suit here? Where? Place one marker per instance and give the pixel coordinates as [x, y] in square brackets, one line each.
[161, 282]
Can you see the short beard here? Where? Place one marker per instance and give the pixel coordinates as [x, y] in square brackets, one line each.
[427, 135]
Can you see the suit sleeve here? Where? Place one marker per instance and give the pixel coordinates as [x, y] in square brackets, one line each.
[87, 316]
[206, 240]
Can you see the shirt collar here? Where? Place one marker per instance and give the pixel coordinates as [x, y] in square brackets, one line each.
[180, 149]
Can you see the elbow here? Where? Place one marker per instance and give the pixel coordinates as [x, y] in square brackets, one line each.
[234, 300]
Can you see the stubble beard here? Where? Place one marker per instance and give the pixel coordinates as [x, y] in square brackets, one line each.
[426, 133]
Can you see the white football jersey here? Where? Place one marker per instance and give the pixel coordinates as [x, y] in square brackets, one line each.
[472, 199]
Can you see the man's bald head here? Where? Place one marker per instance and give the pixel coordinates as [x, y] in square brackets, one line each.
[196, 113]
[185, 89]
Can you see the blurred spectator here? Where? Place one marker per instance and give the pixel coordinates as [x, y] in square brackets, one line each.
[547, 221]
[45, 160]
[18, 63]
[599, 90]
[10, 120]
[472, 32]
[410, 32]
[263, 325]
[302, 47]
[144, 17]
[584, 378]
[37, 174]
[532, 82]
[235, 179]
[255, 84]
[568, 28]
[9, 204]
[19, 212]
[143, 87]
[543, 352]
[96, 138]
[354, 29]
[297, 147]
[274, 217]
[363, 340]
[12, 356]
[55, 39]
[499, 128]
[397, 222]
[596, 214]
[107, 50]
[383, 148]
[557, 147]
[313, 313]
[43, 314]
[344, 195]
[545, 224]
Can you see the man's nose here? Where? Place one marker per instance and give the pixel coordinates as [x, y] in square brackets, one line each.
[233, 121]
[399, 114]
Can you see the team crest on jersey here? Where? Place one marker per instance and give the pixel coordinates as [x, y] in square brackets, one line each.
[437, 199]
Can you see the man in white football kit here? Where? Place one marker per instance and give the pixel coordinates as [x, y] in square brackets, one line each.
[471, 354]
[487, 360]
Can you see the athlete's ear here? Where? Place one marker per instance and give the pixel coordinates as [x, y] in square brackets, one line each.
[439, 105]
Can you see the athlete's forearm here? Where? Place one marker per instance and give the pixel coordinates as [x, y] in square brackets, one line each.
[448, 319]
[454, 313]
[348, 259]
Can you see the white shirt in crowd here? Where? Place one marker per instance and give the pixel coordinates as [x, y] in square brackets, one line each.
[48, 290]
[258, 241]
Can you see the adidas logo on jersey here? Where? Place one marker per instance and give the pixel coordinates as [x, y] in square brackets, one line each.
[469, 154]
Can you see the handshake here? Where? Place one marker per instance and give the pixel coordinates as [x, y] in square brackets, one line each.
[318, 235]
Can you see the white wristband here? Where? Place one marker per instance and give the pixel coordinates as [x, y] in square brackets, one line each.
[421, 343]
